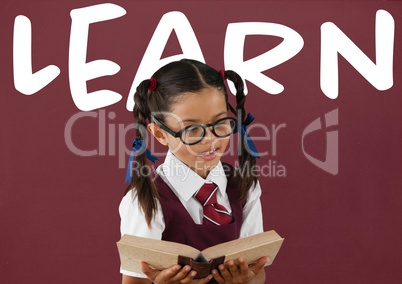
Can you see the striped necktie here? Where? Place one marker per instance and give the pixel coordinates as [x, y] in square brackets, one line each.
[214, 213]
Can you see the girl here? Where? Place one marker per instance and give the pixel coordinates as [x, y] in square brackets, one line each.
[185, 107]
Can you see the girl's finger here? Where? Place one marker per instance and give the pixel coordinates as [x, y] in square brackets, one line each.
[218, 277]
[167, 274]
[188, 277]
[234, 271]
[224, 272]
[206, 279]
[182, 273]
[243, 267]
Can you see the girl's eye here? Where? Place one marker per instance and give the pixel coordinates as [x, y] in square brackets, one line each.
[192, 129]
[223, 122]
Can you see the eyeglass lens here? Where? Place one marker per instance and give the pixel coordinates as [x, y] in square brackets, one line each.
[196, 132]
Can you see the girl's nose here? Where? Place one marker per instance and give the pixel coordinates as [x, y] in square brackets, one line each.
[209, 135]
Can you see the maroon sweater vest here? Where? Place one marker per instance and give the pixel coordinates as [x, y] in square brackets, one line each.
[181, 228]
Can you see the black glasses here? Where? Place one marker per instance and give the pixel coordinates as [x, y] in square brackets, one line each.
[194, 133]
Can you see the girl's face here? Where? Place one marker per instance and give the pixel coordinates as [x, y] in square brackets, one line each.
[206, 106]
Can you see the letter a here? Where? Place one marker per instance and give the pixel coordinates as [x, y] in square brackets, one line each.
[152, 57]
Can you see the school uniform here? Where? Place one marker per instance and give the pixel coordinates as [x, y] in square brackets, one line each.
[183, 216]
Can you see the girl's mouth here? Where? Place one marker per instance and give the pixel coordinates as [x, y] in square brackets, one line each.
[208, 155]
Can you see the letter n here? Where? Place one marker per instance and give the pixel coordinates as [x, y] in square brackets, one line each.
[334, 41]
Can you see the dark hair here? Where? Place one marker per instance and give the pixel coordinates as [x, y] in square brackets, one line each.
[174, 79]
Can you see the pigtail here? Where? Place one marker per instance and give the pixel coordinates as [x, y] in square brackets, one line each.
[141, 176]
[244, 176]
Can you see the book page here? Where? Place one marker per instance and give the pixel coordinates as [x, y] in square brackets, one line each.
[159, 254]
[251, 248]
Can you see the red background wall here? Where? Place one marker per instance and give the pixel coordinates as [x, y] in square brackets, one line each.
[59, 211]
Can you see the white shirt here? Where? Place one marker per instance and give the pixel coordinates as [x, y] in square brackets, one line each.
[184, 183]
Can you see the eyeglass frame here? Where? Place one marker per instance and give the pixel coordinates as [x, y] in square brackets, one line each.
[204, 126]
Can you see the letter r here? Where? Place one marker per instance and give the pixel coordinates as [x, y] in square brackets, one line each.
[252, 69]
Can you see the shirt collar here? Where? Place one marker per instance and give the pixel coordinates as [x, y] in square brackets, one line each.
[185, 181]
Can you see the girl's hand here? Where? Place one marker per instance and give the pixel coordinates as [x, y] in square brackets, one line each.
[230, 273]
[174, 274]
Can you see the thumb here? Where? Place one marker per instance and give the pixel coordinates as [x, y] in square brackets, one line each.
[148, 271]
[256, 267]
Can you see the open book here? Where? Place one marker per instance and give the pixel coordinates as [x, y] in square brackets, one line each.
[164, 254]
